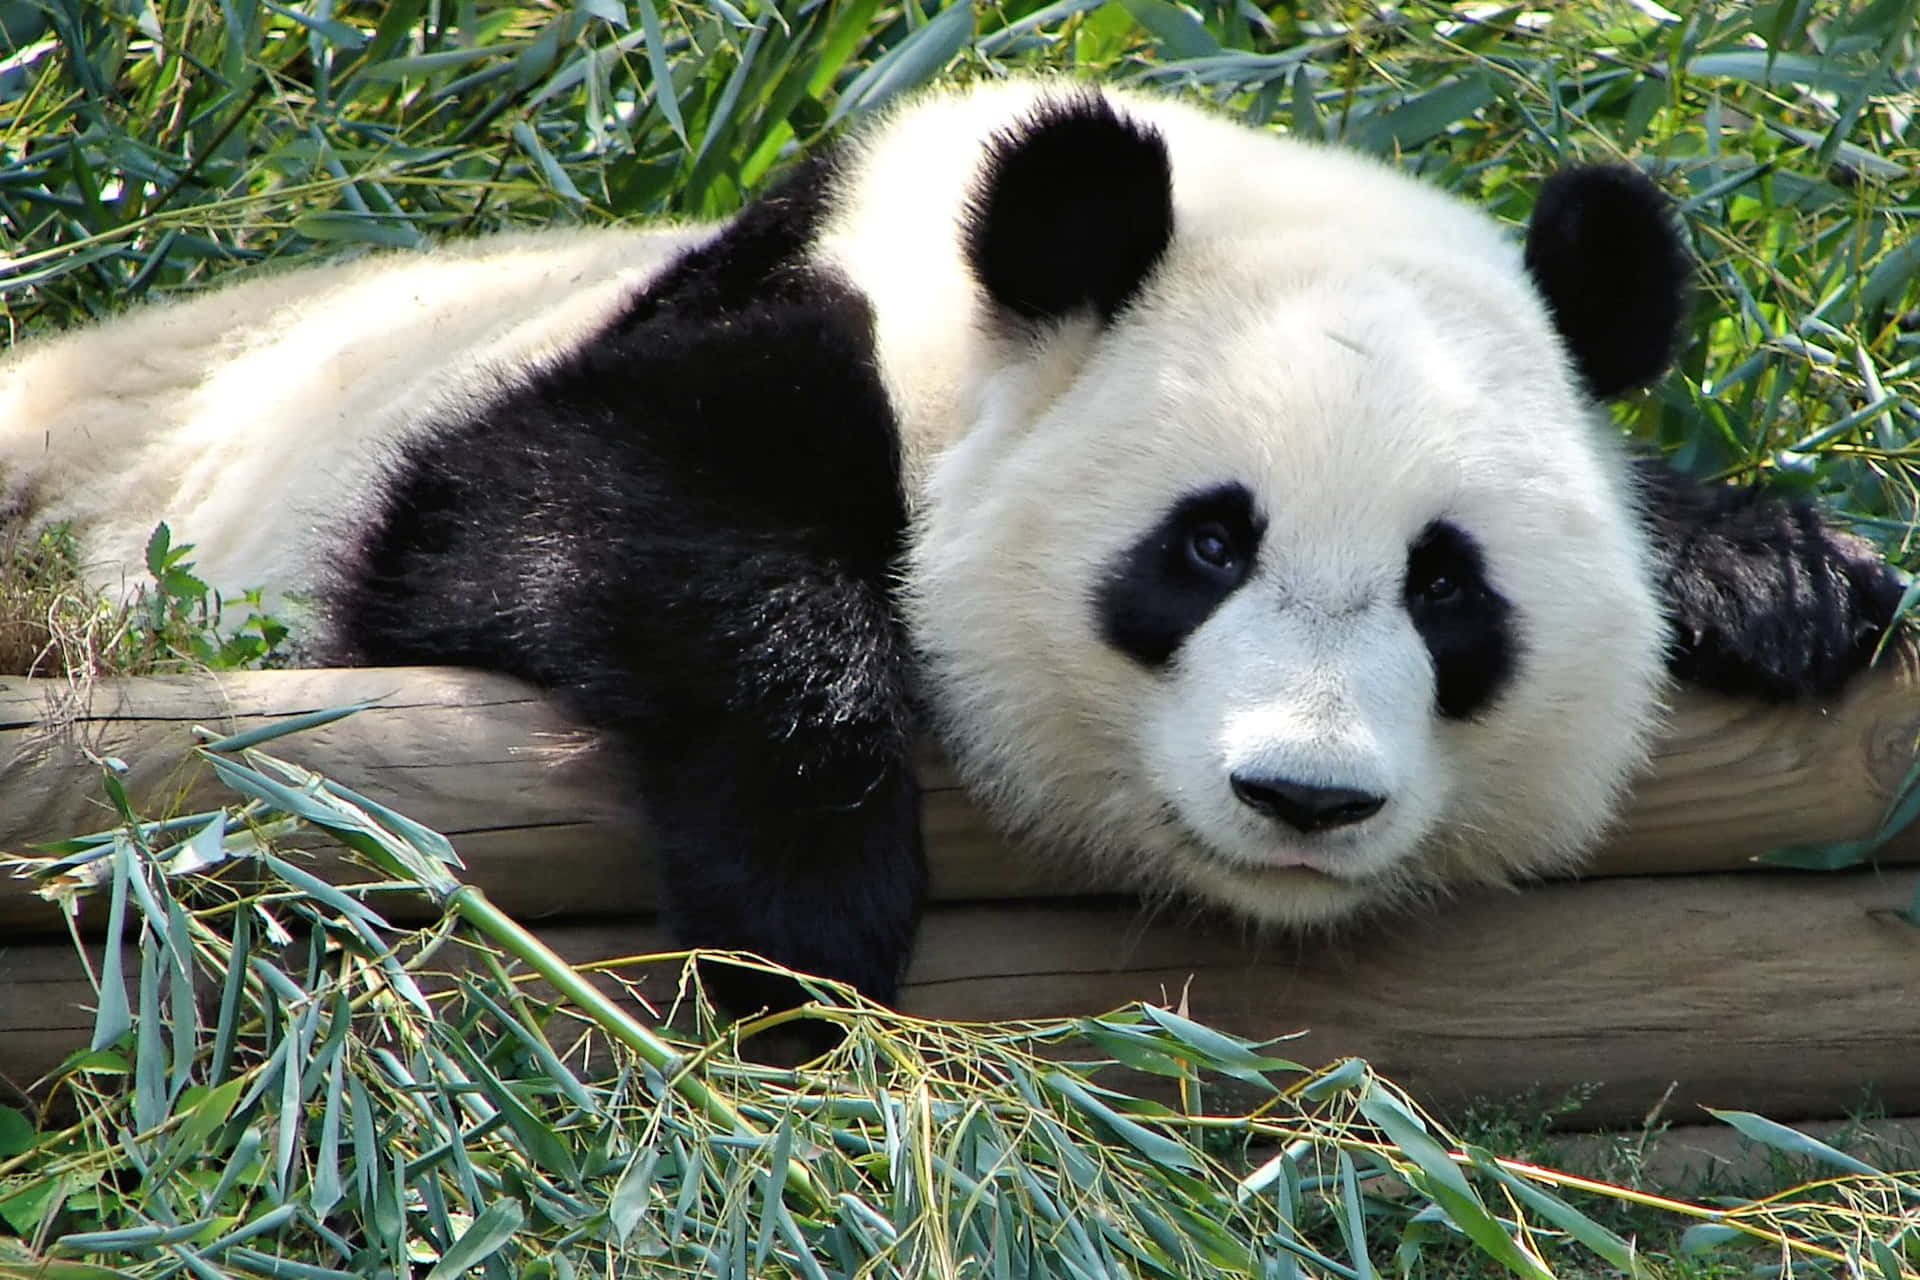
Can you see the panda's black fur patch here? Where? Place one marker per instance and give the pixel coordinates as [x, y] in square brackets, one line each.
[688, 528]
[1073, 209]
[1603, 250]
[1466, 624]
[1156, 593]
[1764, 597]
[759, 257]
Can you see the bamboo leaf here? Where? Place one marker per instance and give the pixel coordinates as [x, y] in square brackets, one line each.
[772, 1182]
[1890, 278]
[540, 1139]
[280, 727]
[1156, 1147]
[113, 1017]
[1353, 1219]
[327, 1186]
[16, 1132]
[665, 96]
[909, 64]
[633, 1193]
[489, 1234]
[345, 225]
[1217, 1050]
[1793, 1142]
[551, 169]
[337, 34]
[149, 1041]
[1421, 117]
[1605, 1244]
[1447, 1184]
[1704, 1237]
[1174, 28]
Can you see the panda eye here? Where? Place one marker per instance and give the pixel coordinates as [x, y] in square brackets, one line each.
[1441, 570]
[1210, 548]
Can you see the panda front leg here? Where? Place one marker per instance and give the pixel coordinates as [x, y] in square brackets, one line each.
[753, 686]
[1764, 596]
[823, 877]
[776, 771]
[688, 529]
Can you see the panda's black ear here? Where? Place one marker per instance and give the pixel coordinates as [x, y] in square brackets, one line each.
[1073, 209]
[1604, 252]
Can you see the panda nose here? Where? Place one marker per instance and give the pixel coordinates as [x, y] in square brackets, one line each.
[1303, 807]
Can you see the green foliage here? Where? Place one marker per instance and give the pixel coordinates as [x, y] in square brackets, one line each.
[177, 619]
[142, 147]
[50, 621]
[282, 1082]
[38, 570]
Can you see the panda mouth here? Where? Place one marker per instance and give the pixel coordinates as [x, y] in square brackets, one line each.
[1288, 866]
[1335, 856]
[1279, 863]
[1292, 860]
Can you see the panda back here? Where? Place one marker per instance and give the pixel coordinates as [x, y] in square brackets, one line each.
[256, 418]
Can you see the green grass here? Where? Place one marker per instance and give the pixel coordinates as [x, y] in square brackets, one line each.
[53, 623]
[333, 1104]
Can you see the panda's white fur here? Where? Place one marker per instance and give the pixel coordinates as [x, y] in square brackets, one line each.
[1363, 354]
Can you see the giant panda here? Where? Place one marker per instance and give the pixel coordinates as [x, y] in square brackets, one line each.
[1238, 513]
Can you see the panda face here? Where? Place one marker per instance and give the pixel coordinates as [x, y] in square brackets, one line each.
[1318, 678]
[1282, 587]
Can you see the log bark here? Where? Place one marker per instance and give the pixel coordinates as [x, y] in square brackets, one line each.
[1792, 995]
[541, 815]
[1789, 995]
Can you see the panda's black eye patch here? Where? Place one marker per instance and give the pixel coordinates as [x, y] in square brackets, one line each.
[1166, 584]
[1467, 625]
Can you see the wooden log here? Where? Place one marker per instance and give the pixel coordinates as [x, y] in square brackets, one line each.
[1789, 995]
[541, 816]
[536, 813]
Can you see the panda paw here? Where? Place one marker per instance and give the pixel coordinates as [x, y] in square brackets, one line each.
[1765, 597]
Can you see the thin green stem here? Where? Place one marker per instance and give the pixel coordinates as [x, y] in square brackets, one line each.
[473, 906]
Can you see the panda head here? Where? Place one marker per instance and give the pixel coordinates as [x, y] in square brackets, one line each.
[1285, 561]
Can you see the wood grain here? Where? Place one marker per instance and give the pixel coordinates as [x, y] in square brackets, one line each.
[541, 816]
[1787, 994]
